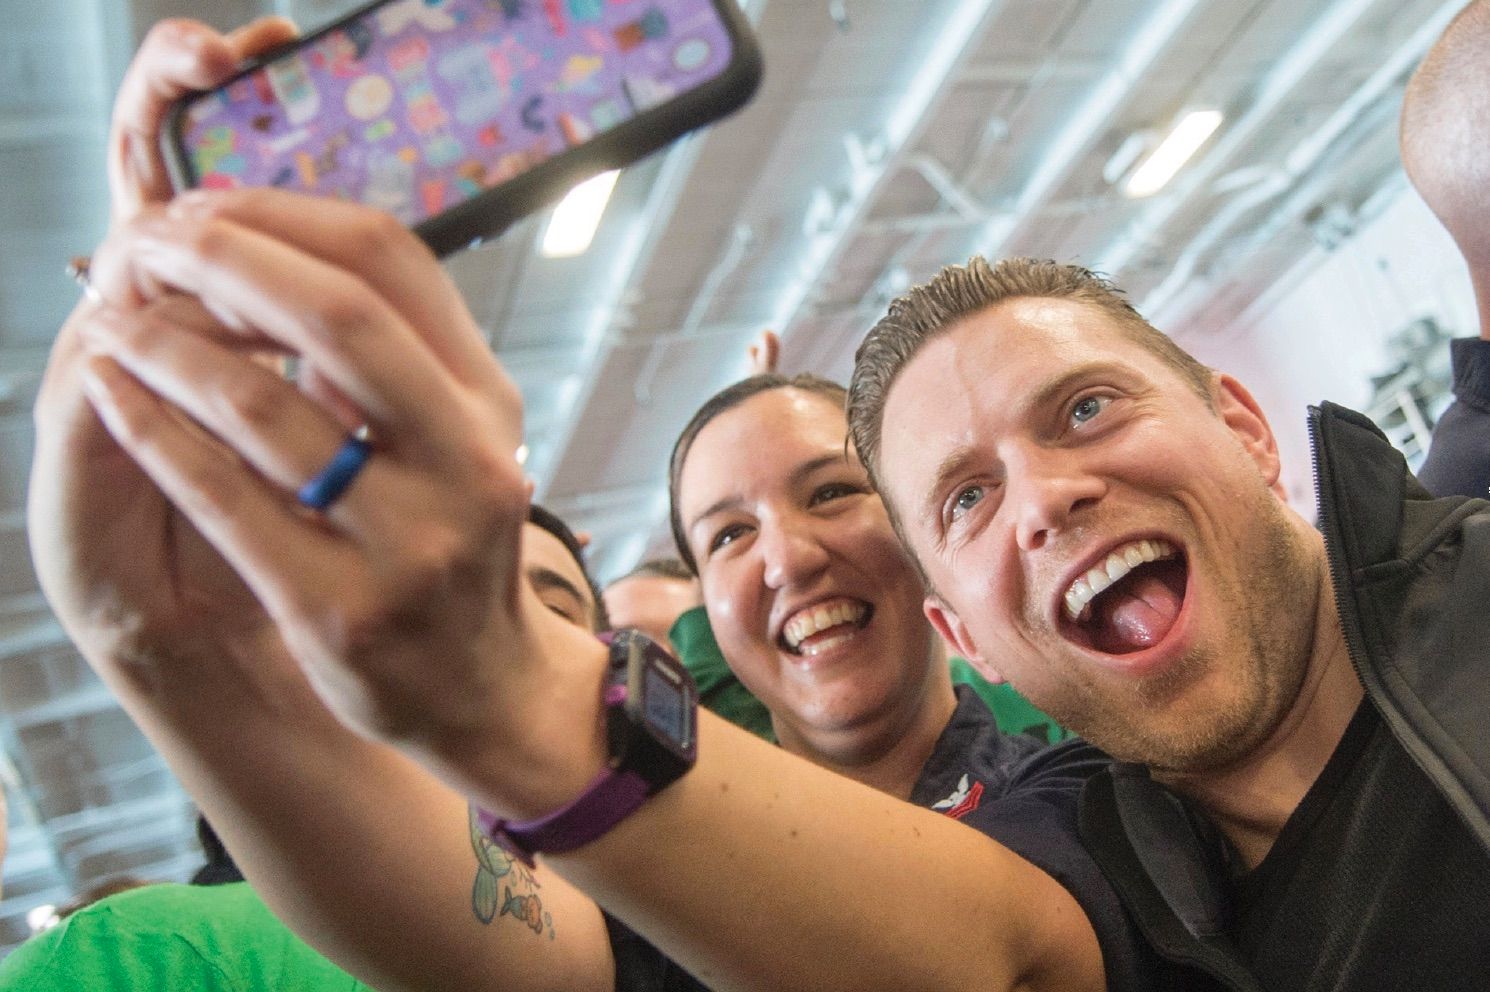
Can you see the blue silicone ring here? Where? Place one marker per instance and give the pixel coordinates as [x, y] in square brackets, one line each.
[325, 488]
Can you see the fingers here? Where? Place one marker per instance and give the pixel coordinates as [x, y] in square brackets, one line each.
[286, 437]
[336, 264]
[177, 57]
[258, 286]
[257, 38]
[765, 353]
[251, 526]
[372, 245]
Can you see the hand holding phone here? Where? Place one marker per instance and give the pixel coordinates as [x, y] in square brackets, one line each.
[460, 116]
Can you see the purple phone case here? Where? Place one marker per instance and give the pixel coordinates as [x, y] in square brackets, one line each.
[420, 106]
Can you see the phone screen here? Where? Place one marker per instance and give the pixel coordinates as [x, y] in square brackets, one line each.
[416, 106]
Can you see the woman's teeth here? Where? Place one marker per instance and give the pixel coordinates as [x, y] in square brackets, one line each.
[1119, 562]
[819, 618]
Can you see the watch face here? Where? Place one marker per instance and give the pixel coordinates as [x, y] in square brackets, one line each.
[653, 731]
[663, 704]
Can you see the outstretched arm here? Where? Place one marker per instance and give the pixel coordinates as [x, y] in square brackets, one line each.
[325, 824]
[403, 606]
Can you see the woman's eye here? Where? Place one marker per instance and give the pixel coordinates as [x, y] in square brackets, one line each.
[967, 498]
[1086, 409]
[725, 536]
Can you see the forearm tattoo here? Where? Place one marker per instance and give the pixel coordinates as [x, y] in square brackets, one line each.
[505, 886]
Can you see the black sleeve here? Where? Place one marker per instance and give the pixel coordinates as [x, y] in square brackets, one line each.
[1458, 462]
[641, 967]
[1037, 819]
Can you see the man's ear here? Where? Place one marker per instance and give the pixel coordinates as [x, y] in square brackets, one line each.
[950, 626]
[1239, 411]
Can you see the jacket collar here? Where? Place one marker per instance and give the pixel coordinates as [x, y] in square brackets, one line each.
[1412, 583]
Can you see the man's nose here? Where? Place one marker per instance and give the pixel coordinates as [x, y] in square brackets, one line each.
[1045, 488]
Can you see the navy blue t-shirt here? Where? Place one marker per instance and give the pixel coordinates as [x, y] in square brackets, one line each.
[1017, 791]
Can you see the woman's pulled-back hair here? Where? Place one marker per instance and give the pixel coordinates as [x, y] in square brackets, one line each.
[724, 400]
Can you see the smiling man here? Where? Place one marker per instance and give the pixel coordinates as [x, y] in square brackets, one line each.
[1099, 520]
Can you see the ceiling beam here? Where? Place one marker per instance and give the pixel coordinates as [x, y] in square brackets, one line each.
[1089, 122]
[1181, 289]
[1322, 37]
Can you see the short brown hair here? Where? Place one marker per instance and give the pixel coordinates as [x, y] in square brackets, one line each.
[960, 291]
[722, 401]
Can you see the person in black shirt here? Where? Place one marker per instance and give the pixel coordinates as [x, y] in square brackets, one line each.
[1443, 150]
[1099, 518]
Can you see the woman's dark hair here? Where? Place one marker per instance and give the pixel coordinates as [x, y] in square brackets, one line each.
[724, 400]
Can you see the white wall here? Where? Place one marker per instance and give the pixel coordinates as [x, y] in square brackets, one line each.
[1320, 332]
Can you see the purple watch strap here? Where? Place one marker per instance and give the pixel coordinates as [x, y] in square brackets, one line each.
[609, 798]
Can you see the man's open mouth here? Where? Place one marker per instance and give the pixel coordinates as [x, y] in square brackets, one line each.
[1129, 600]
[815, 629]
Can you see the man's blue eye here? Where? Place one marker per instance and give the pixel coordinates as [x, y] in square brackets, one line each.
[1086, 409]
[966, 500]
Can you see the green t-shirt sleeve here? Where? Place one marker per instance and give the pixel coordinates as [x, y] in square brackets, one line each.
[219, 938]
[1014, 713]
[718, 688]
[89, 950]
[37, 966]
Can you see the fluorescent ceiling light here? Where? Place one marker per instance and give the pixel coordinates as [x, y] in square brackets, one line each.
[574, 220]
[1173, 152]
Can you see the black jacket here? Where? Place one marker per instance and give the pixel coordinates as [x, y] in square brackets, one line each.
[1412, 584]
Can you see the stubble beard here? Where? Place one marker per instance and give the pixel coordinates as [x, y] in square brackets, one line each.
[1255, 670]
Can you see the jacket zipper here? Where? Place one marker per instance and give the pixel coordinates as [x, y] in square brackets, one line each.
[1350, 621]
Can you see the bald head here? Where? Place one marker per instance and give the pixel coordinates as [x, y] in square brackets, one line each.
[1445, 123]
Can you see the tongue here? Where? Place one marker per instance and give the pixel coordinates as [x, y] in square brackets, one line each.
[1137, 614]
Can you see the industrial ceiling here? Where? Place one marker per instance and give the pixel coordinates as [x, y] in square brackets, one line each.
[889, 138]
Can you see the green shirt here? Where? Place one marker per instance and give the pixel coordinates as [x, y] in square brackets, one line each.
[718, 689]
[198, 937]
[1014, 713]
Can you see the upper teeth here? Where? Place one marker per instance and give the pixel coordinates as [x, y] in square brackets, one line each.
[820, 617]
[1118, 563]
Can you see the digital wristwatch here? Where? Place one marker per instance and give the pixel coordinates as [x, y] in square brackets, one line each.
[651, 718]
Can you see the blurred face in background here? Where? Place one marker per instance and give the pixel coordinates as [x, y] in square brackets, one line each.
[650, 603]
[557, 578]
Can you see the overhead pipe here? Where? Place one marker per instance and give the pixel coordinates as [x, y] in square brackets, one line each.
[1089, 121]
[1305, 157]
[1323, 35]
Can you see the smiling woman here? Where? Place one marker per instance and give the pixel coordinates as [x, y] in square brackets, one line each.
[813, 602]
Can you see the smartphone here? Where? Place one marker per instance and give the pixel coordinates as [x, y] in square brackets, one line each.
[461, 116]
